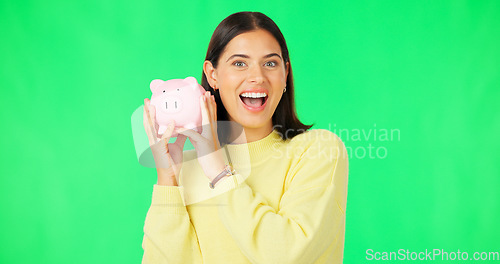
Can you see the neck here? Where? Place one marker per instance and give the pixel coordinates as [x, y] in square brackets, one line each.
[253, 134]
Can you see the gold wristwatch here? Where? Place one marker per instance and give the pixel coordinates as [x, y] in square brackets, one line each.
[228, 171]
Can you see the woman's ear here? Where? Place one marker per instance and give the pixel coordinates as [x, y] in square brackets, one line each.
[210, 73]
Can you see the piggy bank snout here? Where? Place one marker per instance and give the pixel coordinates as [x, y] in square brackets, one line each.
[170, 104]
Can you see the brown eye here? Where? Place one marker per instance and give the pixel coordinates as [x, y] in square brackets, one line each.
[239, 63]
[271, 63]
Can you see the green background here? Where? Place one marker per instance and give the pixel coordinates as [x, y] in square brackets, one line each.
[72, 73]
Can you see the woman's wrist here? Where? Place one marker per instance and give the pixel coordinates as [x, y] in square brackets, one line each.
[212, 164]
[215, 170]
[166, 177]
[227, 171]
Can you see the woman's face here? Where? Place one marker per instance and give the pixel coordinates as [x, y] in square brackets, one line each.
[251, 76]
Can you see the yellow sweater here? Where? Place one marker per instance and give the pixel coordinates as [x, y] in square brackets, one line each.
[290, 208]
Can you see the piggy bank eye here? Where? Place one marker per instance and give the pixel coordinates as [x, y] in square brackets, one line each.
[163, 90]
[177, 89]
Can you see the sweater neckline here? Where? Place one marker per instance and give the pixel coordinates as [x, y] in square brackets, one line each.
[254, 152]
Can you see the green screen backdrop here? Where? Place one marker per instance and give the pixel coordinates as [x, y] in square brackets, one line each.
[411, 87]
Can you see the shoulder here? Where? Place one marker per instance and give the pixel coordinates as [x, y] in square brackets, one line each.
[315, 134]
[317, 141]
[318, 158]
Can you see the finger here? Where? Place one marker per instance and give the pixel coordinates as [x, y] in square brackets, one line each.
[181, 139]
[205, 117]
[192, 135]
[211, 111]
[149, 122]
[152, 114]
[168, 133]
[214, 112]
[145, 115]
[152, 118]
[213, 130]
[208, 129]
[208, 102]
[147, 126]
[210, 107]
[179, 142]
[214, 108]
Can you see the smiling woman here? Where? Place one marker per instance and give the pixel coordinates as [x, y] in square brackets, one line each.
[249, 45]
[291, 206]
[250, 80]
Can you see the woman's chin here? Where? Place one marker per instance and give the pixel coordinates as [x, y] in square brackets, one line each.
[257, 124]
[253, 122]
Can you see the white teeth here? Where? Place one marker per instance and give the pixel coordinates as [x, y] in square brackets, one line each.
[254, 95]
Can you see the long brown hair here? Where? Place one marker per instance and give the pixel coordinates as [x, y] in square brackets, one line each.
[284, 119]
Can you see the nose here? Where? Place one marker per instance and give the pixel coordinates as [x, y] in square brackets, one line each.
[256, 75]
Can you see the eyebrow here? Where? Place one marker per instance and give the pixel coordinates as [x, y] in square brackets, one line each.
[246, 56]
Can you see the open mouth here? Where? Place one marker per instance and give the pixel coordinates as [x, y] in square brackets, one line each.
[254, 100]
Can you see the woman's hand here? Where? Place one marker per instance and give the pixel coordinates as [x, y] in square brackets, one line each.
[207, 143]
[168, 157]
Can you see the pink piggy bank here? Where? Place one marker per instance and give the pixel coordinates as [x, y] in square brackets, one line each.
[178, 100]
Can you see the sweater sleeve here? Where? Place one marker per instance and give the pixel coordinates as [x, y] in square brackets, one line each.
[169, 236]
[310, 219]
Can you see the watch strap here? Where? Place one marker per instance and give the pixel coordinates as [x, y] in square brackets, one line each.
[226, 172]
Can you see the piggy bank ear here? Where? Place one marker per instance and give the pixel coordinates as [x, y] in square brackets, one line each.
[154, 84]
[192, 82]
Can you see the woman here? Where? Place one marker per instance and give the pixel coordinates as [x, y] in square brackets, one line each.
[290, 207]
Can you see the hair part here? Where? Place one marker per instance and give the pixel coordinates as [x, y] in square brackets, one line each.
[285, 120]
